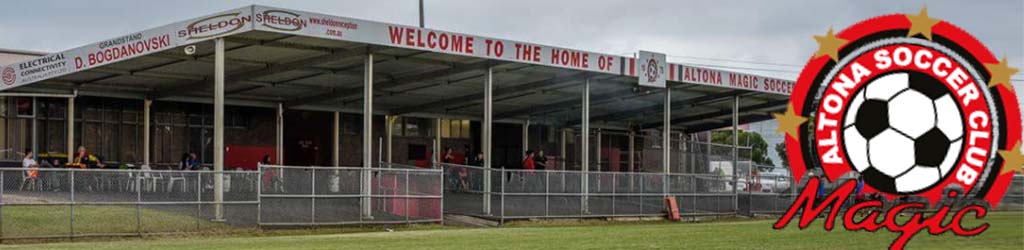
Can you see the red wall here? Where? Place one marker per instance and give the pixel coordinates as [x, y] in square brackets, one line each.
[247, 157]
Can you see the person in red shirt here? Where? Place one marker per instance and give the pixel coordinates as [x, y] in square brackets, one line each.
[528, 162]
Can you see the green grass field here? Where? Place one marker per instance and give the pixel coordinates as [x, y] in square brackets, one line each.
[1006, 232]
[54, 220]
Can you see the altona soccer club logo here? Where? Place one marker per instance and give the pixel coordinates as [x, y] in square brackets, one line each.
[902, 113]
[652, 70]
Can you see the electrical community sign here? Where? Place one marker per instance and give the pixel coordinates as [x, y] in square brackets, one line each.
[285, 21]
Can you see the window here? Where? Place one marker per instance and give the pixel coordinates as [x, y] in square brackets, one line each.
[396, 128]
[455, 128]
[24, 105]
[446, 129]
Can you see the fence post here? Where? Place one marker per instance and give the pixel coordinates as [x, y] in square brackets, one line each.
[312, 197]
[642, 197]
[2, 201]
[502, 195]
[547, 193]
[407, 197]
[259, 195]
[138, 206]
[199, 200]
[440, 213]
[71, 179]
[693, 195]
[615, 186]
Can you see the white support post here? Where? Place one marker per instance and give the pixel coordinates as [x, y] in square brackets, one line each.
[146, 107]
[735, 149]
[336, 141]
[436, 156]
[367, 211]
[218, 129]
[683, 156]
[526, 135]
[488, 129]
[632, 150]
[694, 153]
[597, 152]
[390, 127]
[71, 129]
[35, 129]
[565, 162]
[666, 139]
[279, 135]
[585, 147]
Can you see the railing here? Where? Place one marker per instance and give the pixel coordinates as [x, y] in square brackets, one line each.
[767, 194]
[1014, 198]
[519, 194]
[320, 196]
[70, 203]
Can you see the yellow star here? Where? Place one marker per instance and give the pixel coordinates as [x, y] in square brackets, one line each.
[1001, 73]
[1012, 159]
[829, 45]
[921, 24]
[789, 122]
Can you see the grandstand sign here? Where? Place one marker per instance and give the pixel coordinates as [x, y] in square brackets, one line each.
[726, 79]
[126, 47]
[393, 35]
[301, 23]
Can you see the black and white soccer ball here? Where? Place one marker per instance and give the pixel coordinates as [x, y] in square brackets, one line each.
[903, 132]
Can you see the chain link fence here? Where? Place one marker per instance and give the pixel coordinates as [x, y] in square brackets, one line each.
[323, 196]
[71, 203]
[522, 194]
[1014, 199]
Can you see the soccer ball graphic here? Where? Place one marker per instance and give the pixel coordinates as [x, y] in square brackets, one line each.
[903, 132]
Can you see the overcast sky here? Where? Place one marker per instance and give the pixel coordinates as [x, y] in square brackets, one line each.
[775, 32]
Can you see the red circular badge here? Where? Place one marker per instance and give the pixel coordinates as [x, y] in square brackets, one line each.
[9, 76]
[908, 115]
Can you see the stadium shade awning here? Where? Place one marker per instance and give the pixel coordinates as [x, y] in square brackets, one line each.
[311, 61]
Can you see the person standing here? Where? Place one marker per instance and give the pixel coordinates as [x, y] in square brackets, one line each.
[478, 160]
[453, 170]
[541, 160]
[467, 152]
[448, 156]
[528, 162]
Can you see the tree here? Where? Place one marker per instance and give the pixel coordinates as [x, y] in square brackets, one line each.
[757, 144]
[781, 150]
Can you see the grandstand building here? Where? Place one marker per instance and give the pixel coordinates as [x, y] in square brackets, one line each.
[316, 90]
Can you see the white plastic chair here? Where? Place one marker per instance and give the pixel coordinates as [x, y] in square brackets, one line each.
[175, 177]
[149, 178]
[129, 183]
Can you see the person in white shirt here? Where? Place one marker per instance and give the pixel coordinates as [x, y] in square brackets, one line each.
[32, 174]
[30, 160]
